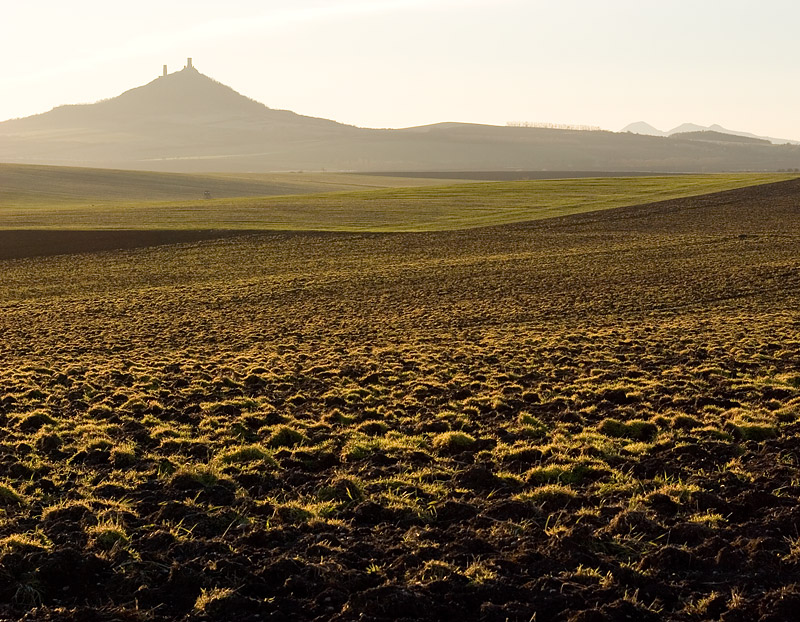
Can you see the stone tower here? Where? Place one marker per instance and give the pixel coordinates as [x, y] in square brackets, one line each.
[189, 63]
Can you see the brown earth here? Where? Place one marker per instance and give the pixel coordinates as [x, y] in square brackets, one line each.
[18, 244]
[589, 418]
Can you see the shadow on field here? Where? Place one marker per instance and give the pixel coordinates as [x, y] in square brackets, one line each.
[40, 243]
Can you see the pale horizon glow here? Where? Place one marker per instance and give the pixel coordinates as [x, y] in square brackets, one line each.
[399, 63]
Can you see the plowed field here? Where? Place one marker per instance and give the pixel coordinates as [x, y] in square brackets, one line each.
[586, 418]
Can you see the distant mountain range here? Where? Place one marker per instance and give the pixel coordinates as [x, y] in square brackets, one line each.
[640, 127]
[188, 122]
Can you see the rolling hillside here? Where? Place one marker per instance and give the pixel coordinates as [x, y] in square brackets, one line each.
[434, 207]
[188, 122]
[24, 185]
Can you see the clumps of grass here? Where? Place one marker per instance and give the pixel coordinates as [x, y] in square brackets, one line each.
[123, 455]
[300, 511]
[520, 453]
[685, 422]
[298, 399]
[212, 602]
[454, 419]
[550, 494]
[453, 441]
[24, 542]
[749, 425]
[679, 491]
[553, 473]
[637, 429]
[134, 405]
[79, 507]
[574, 473]
[707, 607]
[98, 443]
[710, 432]
[434, 570]
[710, 519]
[100, 411]
[193, 477]
[409, 504]
[344, 490]
[754, 431]
[591, 443]
[531, 426]
[247, 454]
[293, 513]
[285, 436]
[619, 394]
[588, 575]
[9, 496]
[372, 428]
[162, 432]
[34, 421]
[336, 416]
[229, 408]
[109, 534]
[480, 572]
[360, 447]
[48, 441]
[787, 414]
[242, 432]
[605, 579]
[636, 448]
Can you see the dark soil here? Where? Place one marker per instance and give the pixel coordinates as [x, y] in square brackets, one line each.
[17, 244]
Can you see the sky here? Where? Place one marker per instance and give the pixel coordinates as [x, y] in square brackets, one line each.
[400, 63]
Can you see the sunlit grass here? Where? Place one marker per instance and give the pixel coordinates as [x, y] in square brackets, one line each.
[431, 208]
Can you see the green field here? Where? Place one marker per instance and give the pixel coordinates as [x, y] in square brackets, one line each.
[399, 209]
[35, 186]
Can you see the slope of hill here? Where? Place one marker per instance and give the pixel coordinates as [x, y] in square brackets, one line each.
[430, 208]
[187, 122]
[718, 137]
[181, 98]
[685, 128]
[27, 185]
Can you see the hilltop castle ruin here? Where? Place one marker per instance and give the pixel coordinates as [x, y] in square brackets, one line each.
[188, 66]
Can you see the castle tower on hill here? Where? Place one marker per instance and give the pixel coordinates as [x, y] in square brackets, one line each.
[188, 66]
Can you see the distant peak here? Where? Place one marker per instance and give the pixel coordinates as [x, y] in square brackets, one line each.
[640, 127]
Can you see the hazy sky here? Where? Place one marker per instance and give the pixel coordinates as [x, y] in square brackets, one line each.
[396, 63]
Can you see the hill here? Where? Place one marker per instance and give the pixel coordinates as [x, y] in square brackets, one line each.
[184, 115]
[188, 122]
[640, 127]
